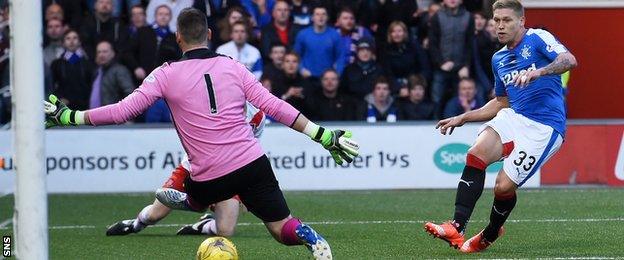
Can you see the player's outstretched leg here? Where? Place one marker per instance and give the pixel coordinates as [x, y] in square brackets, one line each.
[487, 149]
[504, 202]
[221, 223]
[150, 215]
[291, 231]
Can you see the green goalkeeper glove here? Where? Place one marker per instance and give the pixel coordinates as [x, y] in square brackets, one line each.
[338, 143]
[58, 114]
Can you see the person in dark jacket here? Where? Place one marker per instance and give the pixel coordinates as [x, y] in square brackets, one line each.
[293, 86]
[401, 58]
[466, 99]
[102, 26]
[281, 30]
[450, 45]
[153, 45]
[358, 78]
[273, 70]
[416, 106]
[328, 104]
[112, 80]
[72, 73]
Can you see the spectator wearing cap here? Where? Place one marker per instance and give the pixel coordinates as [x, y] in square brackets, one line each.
[400, 58]
[152, 45]
[350, 34]
[319, 46]
[281, 30]
[112, 80]
[328, 104]
[102, 26]
[466, 99]
[176, 7]
[72, 73]
[416, 106]
[450, 47]
[137, 20]
[358, 78]
[380, 104]
[240, 50]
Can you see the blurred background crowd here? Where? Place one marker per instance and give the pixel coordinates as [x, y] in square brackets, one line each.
[344, 60]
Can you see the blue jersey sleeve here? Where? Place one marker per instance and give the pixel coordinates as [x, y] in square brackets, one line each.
[548, 45]
[499, 87]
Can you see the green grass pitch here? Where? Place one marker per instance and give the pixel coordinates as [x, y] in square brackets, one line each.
[546, 223]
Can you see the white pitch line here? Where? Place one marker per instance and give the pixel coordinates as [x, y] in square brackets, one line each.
[5, 223]
[370, 222]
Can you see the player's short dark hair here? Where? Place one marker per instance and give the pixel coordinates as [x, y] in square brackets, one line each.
[192, 26]
[514, 5]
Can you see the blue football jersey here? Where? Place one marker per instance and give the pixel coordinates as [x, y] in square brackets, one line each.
[541, 100]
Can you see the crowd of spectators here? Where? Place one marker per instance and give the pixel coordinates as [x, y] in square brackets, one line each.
[357, 60]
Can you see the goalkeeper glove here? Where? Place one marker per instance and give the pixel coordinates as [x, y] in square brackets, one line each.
[338, 143]
[58, 114]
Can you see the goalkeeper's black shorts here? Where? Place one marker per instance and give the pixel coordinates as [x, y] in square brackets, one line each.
[254, 183]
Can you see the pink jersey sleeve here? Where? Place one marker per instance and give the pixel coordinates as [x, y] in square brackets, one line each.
[132, 105]
[261, 98]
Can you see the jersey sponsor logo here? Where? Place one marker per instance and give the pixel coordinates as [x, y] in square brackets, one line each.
[526, 52]
[509, 77]
[619, 164]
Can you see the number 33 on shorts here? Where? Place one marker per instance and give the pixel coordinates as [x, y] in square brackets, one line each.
[527, 157]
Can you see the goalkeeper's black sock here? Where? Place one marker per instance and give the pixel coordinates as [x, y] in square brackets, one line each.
[469, 190]
[502, 207]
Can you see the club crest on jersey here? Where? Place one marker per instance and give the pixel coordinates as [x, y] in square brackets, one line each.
[526, 52]
[509, 77]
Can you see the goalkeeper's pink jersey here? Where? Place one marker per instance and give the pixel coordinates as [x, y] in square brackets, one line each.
[206, 93]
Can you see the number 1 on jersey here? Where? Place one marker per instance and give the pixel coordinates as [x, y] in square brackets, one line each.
[211, 94]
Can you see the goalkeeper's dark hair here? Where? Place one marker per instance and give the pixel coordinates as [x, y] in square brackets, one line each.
[192, 26]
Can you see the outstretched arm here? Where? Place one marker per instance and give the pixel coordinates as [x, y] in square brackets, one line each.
[484, 113]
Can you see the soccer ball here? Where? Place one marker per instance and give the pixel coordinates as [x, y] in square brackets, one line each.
[217, 248]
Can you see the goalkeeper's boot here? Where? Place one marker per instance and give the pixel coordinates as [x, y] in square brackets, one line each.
[175, 199]
[197, 227]
[314, 242]
[122, 228]
[447, 232]
[478, 243]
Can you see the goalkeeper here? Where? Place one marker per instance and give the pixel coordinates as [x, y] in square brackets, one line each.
[222, 222]
[206, 93]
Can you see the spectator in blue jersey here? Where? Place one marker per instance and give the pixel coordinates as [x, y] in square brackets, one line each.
[380, 104]
[400, 58]
[416, 106]
[260, 11]
[240, 50]
[358, 78]
[350, 34]
[302, 12]
[450, 47]
[319, 46]
[465, 101]
[281, 30]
